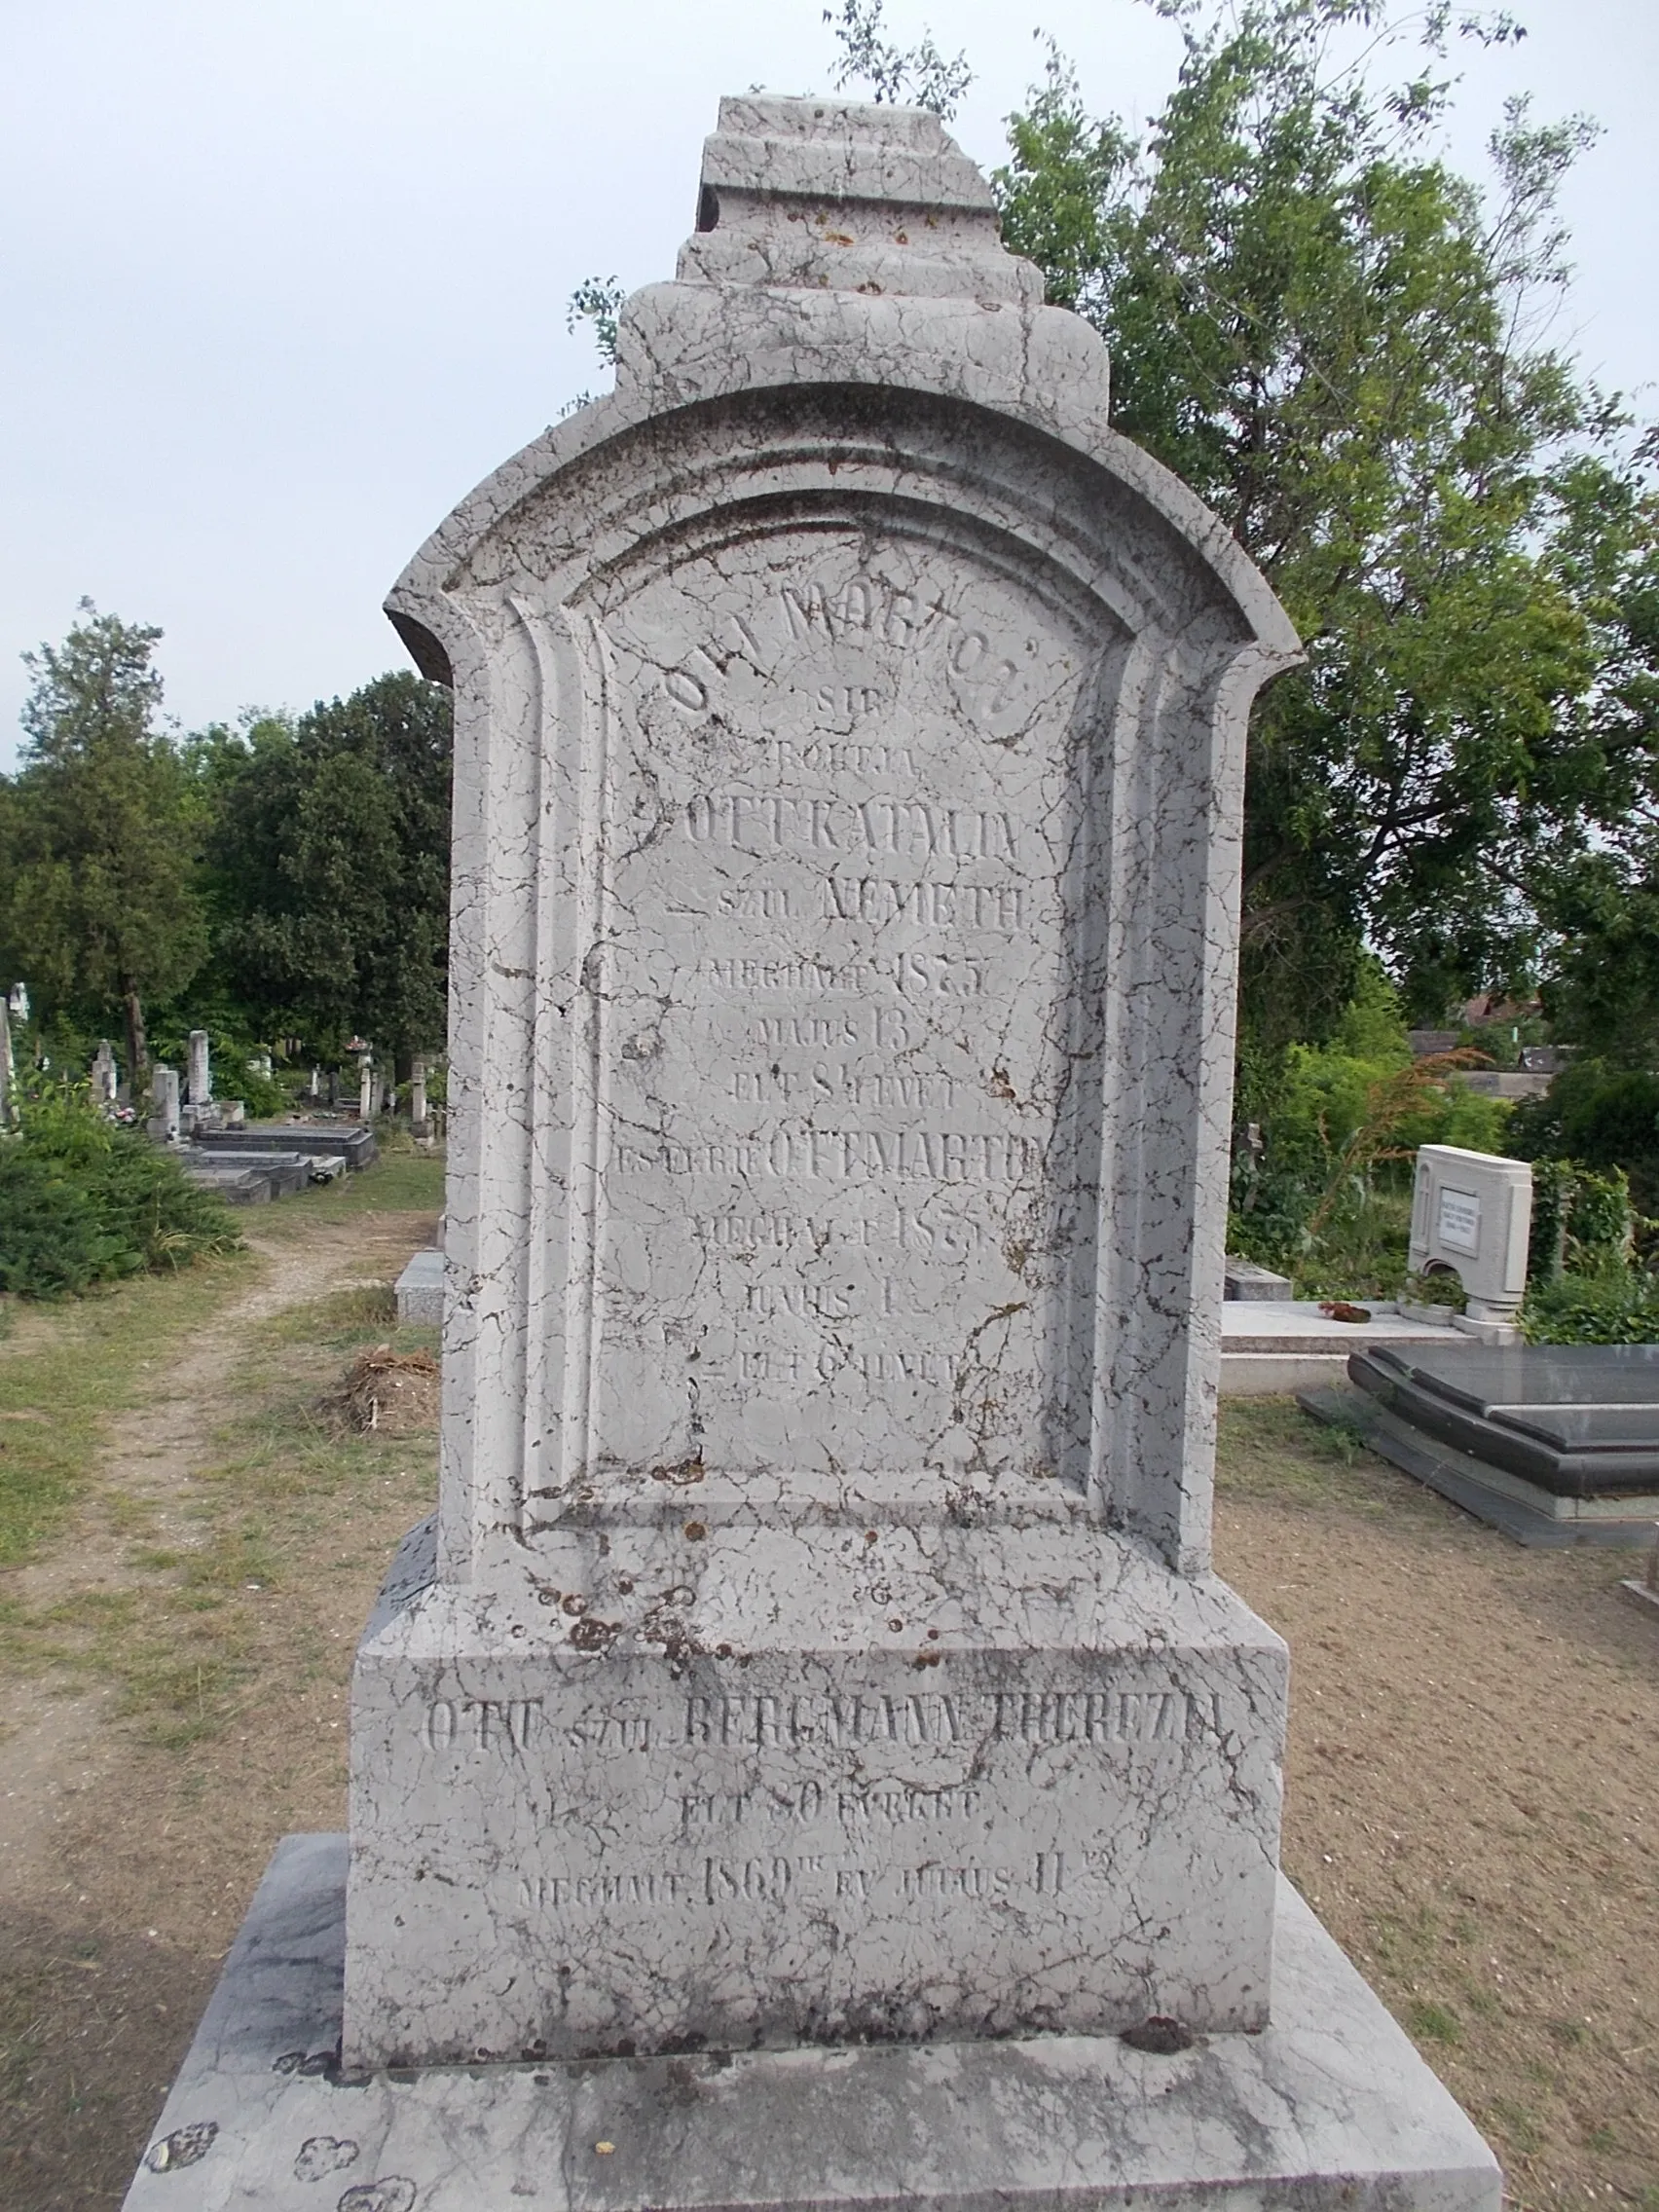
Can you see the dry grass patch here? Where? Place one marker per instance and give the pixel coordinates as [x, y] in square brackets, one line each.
[175, 1679]
[1472, 1792]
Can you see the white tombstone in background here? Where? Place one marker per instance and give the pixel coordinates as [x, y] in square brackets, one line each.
[417, 1096]
[201, 1070]
[1472, 1214]
[105, 1081]
[164, 1123]
[366, 1089]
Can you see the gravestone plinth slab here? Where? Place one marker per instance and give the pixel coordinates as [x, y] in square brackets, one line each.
[421, 1290]
[1329, 2107]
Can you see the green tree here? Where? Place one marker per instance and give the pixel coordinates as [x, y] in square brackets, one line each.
[920, 76]
[98, 905]
[1602, 981]
[1340, 346]
[328, 866]
[1331, 337]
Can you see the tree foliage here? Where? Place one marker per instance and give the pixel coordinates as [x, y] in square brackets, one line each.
[1338, 342]
[918, 76]
[96, 904]
[328, 854]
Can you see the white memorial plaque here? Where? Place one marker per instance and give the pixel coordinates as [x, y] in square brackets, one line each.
[1460, 1221]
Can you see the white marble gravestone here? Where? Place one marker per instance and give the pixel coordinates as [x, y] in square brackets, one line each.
[817, 1641]
[1472, 1217]
[164, 1124]
[104, 1082]
[199, 1070]
[850, 733]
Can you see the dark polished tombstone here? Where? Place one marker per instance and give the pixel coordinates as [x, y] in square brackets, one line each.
[1553, 1443]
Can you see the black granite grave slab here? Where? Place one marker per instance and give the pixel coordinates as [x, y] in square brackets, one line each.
[355, 1145]
[286, 1171]
[236, 1185]
[1508, 1502]
[1578, 1420]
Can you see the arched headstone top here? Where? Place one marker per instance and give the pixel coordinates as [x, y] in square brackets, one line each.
[846, 247]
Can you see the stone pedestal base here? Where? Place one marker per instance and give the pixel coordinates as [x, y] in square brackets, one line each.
[694, 1784]
[1329, 2107]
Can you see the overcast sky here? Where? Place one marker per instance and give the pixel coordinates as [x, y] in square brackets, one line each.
[282, 282]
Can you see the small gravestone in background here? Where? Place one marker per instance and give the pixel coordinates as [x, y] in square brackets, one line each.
[818, 1642]
[105, 1081]
[1471, 1217]
[417, 1097]
[164, 1124]
[200, 1071]
[365, 1089]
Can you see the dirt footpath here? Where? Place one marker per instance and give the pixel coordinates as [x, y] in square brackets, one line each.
[1472, 1792]
[228, 1535]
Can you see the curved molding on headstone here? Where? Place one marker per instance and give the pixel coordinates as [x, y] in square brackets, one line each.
[681, 344]
[515, 598]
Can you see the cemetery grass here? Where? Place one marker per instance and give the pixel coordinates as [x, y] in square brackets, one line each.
[174, 1647]
[1472, 1792]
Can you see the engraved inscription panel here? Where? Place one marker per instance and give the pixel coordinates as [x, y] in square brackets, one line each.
[820, 1843]
[846, 1035]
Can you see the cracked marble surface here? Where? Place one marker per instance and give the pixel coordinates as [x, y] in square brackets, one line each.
[849, 756]
[735, 1784]
[810, 1727]
[1329, 2107]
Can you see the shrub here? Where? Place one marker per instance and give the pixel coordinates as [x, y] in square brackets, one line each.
[51, 1241]
[1583, 1221]
[1600, 1117]
[84, 1201]
[1619, 1305]
[1326, 1195]
[144, 1198]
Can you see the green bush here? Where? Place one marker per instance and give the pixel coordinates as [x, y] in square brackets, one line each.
[1326, 1193]
[84, 1201]
[263, 1096]
[1583, 1220]
[1619, 1305]
[1600, 1117]
[52, 1244]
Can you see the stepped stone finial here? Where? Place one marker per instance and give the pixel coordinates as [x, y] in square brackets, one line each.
[839, 195]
